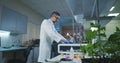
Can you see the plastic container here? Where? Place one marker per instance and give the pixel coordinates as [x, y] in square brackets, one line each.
[71, 53]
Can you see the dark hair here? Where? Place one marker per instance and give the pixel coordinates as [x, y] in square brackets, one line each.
[55, 13]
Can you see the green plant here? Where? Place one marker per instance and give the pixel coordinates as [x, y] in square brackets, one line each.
[93, 49]
[90, 34]
[109, 50]
[112, 46]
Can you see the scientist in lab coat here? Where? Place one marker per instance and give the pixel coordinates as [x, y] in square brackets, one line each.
[48, 34]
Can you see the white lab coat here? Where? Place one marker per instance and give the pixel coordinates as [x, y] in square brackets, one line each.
[47, 35]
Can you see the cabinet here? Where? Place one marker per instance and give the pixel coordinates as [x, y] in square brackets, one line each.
[13, 21]
[21, 23]
[1, 57]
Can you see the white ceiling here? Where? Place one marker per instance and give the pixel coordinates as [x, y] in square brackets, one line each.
[69, 8]
[45, 7]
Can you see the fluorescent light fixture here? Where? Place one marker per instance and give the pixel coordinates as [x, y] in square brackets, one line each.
[113, 14]
[112, 8]
[4, 33]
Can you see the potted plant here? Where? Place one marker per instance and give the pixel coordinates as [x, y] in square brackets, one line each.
[93, 44]
[112, 46]
[109, 51]
[93, 48]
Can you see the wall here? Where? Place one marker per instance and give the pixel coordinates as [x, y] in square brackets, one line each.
[33, 31]
[34, 19]
[111, 27]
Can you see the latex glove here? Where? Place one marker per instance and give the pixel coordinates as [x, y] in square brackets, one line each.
[65, 41]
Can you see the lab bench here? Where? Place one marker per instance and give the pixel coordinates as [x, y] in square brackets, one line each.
[3, 49]
[6, 52]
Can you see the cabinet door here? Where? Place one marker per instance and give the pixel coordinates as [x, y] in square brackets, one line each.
[1, 59]
[21, 23]
[8, 20]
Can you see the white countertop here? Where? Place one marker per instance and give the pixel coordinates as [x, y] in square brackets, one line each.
[11, 48]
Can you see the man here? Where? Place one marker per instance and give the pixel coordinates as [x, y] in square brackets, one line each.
[48, 34]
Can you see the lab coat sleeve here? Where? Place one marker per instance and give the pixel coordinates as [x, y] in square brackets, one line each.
[52, 33]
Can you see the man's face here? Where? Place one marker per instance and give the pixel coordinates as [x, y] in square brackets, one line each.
[56, 18]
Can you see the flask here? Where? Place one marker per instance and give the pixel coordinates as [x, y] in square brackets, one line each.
[71, 53]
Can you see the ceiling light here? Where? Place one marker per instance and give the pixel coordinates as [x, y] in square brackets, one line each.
[113, 14]
[112, 8]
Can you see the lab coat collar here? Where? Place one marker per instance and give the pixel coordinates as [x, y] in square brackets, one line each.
[50, 21]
